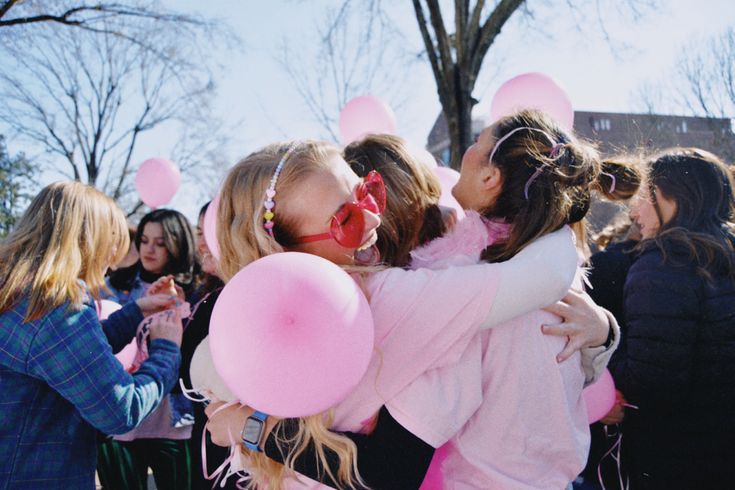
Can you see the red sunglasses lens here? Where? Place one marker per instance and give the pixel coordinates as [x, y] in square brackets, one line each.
[374, 186]
[348, 226]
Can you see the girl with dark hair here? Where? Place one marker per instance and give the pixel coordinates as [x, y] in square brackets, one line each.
[677, 361]
[166, 247]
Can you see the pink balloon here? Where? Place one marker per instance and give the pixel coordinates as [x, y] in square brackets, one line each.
[364, 115]
[599, 397]
[533, 91]
[105, 308]
[157, 181]
[448, 178]
[210, 227]
[126, 356]
[291, 334]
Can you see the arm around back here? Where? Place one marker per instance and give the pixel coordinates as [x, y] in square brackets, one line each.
[74, 357]
[537, 276]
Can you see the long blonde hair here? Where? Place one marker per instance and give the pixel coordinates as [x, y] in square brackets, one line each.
[243, 239]
[70, 231]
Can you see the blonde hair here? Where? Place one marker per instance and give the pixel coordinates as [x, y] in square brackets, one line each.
[243, 239]
[70, 231]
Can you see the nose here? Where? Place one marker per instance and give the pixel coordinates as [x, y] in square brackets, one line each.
[633, 213]
[202, 246]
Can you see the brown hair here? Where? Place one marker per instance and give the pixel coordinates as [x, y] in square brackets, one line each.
[412, 216]
[702, 225]
[560, 192]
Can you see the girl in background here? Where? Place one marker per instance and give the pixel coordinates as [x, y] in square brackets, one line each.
[677, 362]
[196, 330]
[59, 378]
[166, 247]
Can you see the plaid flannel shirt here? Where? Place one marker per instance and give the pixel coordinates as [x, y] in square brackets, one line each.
[59, 381]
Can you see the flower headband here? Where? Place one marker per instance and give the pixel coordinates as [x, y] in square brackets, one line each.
[270, 193]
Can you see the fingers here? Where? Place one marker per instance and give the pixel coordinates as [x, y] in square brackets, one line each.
[560, 309]
[567, 329]
[212, 407]
[572, 346]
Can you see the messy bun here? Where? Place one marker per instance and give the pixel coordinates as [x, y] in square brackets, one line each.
[547, 176]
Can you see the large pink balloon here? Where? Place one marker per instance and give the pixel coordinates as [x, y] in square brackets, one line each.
[599, 397]
[291, 334]
[126, 356]
[533, 91]
[364, 115]
[448, 178]
[210, 227]
[157, 181]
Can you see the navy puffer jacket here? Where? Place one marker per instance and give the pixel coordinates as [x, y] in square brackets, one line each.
[677, 364]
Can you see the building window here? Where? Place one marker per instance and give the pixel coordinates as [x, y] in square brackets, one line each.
[601, 124]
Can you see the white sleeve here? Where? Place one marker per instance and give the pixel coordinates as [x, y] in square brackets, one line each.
[595, 359]
[537, 276]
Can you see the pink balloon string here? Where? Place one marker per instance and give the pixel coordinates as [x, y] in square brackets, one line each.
[192, 394]
[233, 447]
[614, 453]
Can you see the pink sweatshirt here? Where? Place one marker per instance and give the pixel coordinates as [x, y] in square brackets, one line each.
[529, 430]
[426, 322]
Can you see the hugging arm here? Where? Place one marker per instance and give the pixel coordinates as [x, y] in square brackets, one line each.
[390, 457]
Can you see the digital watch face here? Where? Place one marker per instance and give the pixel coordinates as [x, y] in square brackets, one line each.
[252, 431]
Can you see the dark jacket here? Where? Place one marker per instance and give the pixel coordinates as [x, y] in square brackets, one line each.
[608, 270]
[677, 365]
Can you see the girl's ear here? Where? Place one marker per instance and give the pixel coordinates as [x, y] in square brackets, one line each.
[492, 179]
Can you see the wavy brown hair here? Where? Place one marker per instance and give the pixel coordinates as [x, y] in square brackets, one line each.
[702, 225]
[412, 216]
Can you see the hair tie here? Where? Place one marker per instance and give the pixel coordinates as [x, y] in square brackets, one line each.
[530, 180]
[612, 177]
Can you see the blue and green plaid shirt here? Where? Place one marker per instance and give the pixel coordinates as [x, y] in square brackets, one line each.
[59, 381]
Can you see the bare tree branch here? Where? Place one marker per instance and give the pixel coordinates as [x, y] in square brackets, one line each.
[358, 52]
[65, 89]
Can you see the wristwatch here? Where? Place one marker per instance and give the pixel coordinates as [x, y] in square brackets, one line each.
[252, 433]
